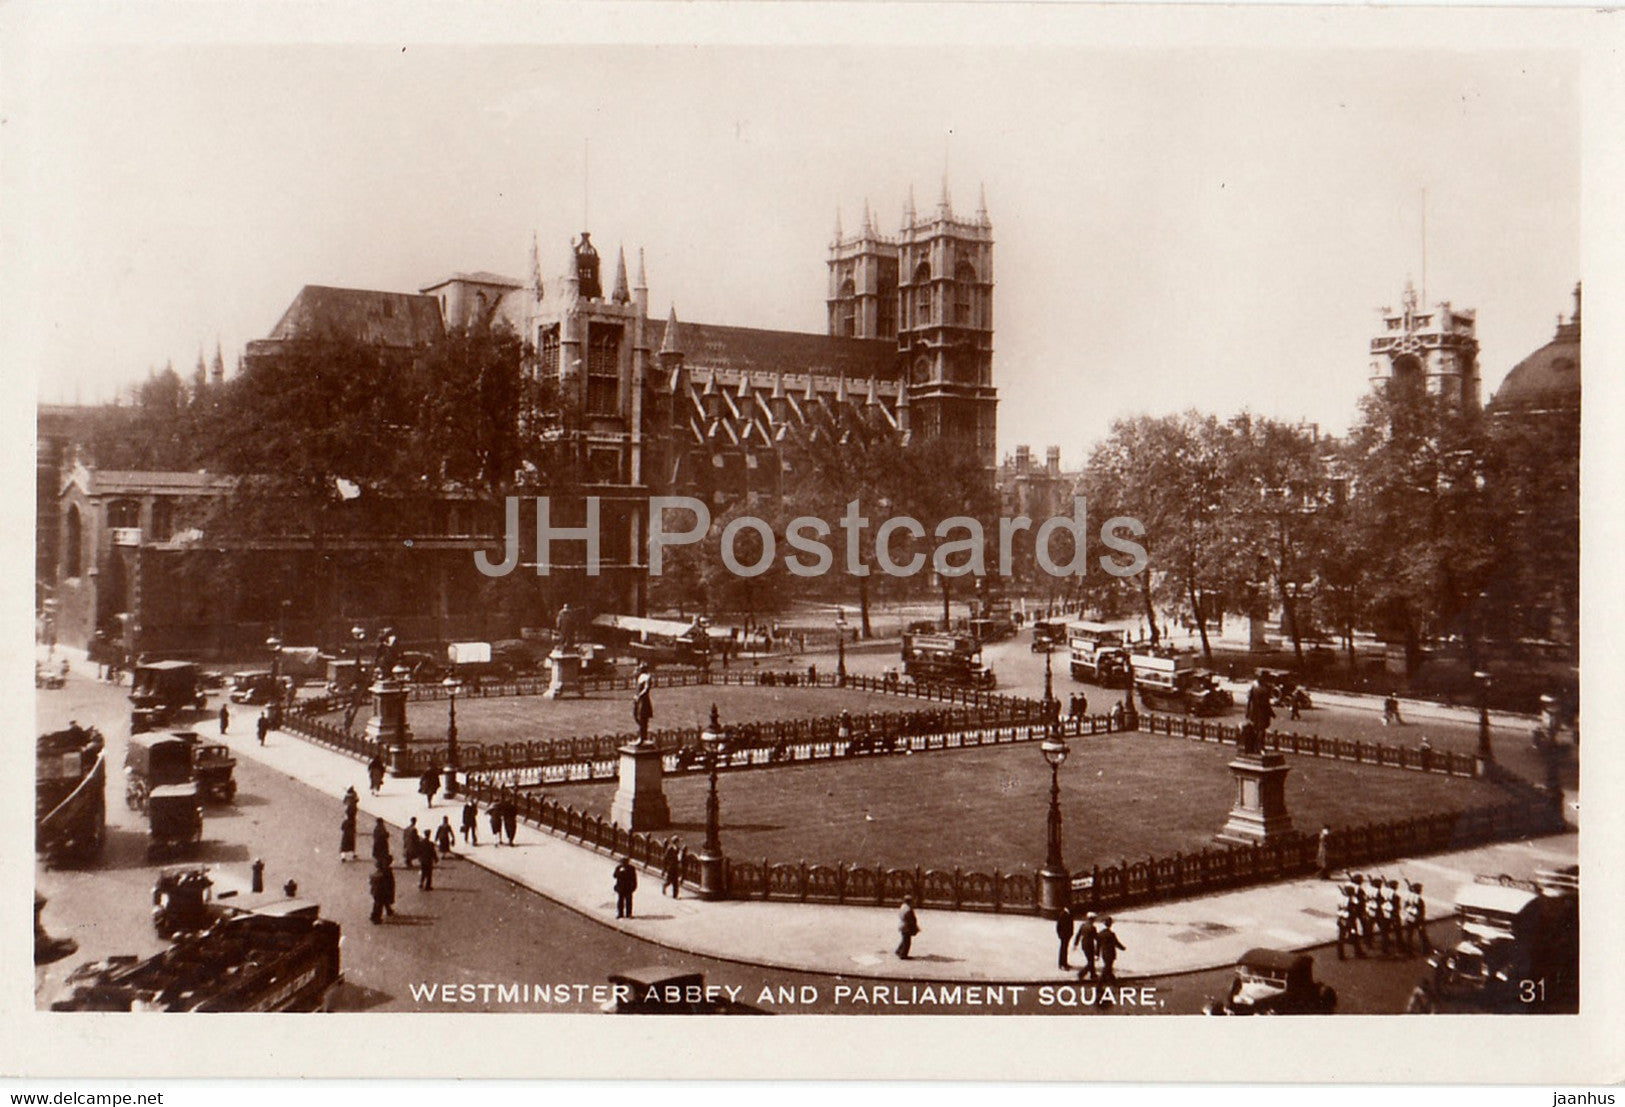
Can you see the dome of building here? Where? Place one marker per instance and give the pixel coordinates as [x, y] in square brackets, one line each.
[1549, 378]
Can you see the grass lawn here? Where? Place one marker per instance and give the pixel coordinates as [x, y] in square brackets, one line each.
[529, 718]
[1129, 796]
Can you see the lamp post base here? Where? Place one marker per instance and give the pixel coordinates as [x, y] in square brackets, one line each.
[1054, 892]
[712, 872]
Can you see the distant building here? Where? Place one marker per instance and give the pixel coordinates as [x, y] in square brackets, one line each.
[652, 408]
[1435, 348]
[1548, 380]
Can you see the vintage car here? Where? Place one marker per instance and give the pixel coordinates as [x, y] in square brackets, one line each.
[1275, 982]
[153, 761]
[1048, 634]
[174, 818]
[1517, 949]
[664, 990]
[256, 687]
[164, 692]
[214, 766]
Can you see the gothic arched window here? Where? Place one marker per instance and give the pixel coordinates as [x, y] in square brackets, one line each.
[922, 294]
[73, 544]
[964, 294]
[849, 308]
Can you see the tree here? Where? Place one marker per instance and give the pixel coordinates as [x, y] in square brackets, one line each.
[838, 458]
[937, 481]
[1421, 519]
[1276, 495]
[1169, 472]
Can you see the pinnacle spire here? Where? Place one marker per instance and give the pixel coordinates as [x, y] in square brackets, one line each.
[910, 214]
[535, 267]
[945, 204]
[643, 273]
[981, 206]
[838, 233]
[668, 343]
[868, 220]
[621, 295]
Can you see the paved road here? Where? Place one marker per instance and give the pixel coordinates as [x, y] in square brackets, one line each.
[477, 929]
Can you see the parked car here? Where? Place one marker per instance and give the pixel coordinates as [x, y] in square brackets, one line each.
[664, 990]
[1275, 982]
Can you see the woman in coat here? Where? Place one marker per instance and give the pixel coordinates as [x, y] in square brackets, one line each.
[347, 838]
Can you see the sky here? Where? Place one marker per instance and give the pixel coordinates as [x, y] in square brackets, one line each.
[1213, 228]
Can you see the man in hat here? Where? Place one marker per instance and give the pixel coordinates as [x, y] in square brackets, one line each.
[1063, 931]
[1396, 919]
[1362, 909]
[908, 925]
[1109, 947]
[1088, 944]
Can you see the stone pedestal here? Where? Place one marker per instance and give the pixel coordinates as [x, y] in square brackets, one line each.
[565, 667]
[1260, 813]
[640, 798]
[388, 726]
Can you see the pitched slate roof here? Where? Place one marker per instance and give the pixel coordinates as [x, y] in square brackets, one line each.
[708, 345]
[395, 319]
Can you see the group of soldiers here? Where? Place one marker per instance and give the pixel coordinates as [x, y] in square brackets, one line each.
[1374, 912]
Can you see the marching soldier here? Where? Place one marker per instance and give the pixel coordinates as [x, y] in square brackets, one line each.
[1362, 910]
[1377, 902]
[1348, 926]
[1416, 917]
[1396, 919]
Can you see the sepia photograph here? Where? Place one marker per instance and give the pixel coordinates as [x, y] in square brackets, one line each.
[690, 520]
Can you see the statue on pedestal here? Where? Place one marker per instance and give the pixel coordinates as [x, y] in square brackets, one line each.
[643, 708]
[565, 627]
[1260, 713]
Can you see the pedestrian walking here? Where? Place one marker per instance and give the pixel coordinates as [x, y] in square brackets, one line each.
[1064, 926]
[510, 819]
[382, 886]
[908, 925]
[444, 836]
[225, 718]
[1323, 853]
[410, 843]
[626, 882]
[1088, 943]
[1362, 911]
[676, 853]
[1083, 704]
[429, 784]
[261, 726]
[347, 838]
[1390, 711]
[375, 773]
[494, 812]
[1109, 947]
[380, 843]
[426, 863]
[471, 823]
[352, 802]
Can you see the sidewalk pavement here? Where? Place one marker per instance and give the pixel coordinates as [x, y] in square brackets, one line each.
[1184, 936]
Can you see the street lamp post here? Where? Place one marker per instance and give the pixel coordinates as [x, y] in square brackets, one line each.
[1055, 884]
[840, 649]
[1486, 752]
[711, 861]
[452, 686]
[1051, 707]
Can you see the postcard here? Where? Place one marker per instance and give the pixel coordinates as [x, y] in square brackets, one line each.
[1007, 537]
